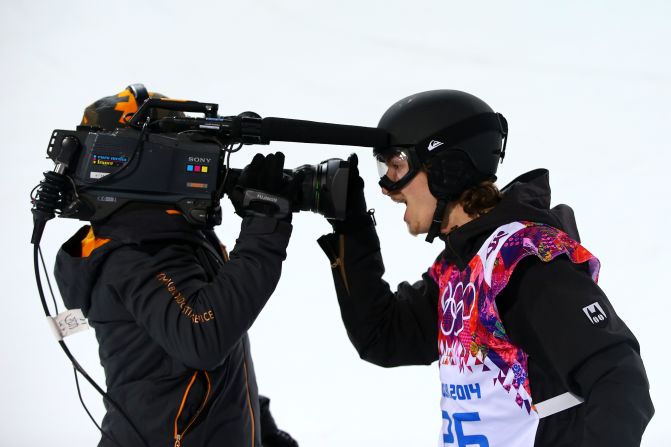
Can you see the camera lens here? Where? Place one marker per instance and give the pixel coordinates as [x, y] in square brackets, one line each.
[324, 188]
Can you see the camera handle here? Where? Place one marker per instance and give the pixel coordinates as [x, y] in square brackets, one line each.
[208, 109]
[280, 203]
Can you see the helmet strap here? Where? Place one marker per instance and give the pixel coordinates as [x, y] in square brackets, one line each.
[437, 221]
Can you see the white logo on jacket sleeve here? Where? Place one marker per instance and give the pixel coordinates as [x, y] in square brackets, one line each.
[595, 313]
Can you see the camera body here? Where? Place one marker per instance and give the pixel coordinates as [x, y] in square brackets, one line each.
[184, 169]
[112, 168]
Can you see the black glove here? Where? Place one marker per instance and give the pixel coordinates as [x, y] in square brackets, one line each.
[271, 436]
[262, 189]
[356, 214]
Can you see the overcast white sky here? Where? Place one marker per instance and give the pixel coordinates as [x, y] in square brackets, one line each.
[585, 87]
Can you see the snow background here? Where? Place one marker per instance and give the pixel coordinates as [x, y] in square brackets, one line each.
[585, 87]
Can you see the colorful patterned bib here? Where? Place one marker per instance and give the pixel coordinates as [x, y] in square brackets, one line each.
[486, 395]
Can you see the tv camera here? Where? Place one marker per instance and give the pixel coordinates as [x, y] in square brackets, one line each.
[183, 161]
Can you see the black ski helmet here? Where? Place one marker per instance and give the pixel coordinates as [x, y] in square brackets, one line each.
[455, 136]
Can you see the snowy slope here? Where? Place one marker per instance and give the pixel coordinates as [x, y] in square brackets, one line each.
[586, 89]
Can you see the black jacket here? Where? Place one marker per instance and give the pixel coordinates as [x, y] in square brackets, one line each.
[171, 321]
[541, 309]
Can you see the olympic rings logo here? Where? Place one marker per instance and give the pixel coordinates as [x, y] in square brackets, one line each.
[457, 304]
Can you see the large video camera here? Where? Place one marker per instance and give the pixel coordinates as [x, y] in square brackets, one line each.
[183, 161]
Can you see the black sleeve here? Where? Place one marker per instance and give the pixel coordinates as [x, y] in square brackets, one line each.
[562, 319]
[197, 319]
[386, 328]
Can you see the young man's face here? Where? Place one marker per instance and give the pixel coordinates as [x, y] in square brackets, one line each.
[420, 204]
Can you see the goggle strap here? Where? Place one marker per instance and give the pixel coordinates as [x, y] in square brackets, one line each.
[504, 131]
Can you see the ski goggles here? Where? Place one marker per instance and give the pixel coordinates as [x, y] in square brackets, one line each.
[397, 166]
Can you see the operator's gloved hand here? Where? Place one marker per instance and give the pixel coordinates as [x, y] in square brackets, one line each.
[271, 436]
[357, 215]
[262, 189]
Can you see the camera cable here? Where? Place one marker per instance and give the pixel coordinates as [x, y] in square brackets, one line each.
[229, 149]
[78, 368]
[46, 203]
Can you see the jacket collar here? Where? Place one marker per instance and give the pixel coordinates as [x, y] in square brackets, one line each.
[527, 198]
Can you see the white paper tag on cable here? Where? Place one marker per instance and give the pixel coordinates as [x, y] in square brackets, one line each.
[67, 323]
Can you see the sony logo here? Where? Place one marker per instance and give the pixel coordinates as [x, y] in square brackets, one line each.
[199, 160]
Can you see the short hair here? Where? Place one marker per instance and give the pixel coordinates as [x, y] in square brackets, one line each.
[481, 198]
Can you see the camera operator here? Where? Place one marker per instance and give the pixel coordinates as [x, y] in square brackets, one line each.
[529, 348]
[171, 310]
